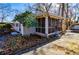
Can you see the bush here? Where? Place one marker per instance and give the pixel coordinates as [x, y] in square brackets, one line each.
[5, 28]
[2, 25]
[8, 26]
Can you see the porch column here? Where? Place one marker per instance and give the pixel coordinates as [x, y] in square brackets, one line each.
[63, 25]
[46, 26]
[18, 26]
[22, 30]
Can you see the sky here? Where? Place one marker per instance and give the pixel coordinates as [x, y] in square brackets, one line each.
[21, 7]
[16, 6]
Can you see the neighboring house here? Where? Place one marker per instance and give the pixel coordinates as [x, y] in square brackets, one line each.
[77, 18]
[22, 29]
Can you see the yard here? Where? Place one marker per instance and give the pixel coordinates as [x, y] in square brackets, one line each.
[21, 44]
[68, 44]
[11, 44]
[16, 36]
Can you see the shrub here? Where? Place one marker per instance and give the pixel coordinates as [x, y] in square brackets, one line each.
[5, 28]
[1, 26]
[8, 26]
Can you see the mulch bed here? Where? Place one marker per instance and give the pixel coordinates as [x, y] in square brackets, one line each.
[14, 45]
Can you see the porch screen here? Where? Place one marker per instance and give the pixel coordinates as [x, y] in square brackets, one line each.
[41, 25]
[54, 25]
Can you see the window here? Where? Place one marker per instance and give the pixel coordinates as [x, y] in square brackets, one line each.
[16, 24]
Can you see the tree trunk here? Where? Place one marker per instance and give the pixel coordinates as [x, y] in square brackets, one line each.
[67, 10]
[2, 19]
[62, 10]
[62, 14]
[59, 11]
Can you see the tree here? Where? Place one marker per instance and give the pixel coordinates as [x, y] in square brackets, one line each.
[64, 7]
[69, 14]
[26, 18]
[5, 11]
[43, 8]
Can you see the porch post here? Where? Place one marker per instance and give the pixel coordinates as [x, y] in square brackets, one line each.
[22, 30]
[46, 26]
[63, 25]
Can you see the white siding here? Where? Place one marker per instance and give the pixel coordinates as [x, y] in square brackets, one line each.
[28, 31]
[16, 26]
[23, 30]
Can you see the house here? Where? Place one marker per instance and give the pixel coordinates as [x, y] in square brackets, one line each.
[77, 19]
[46, 26]
[22, 29]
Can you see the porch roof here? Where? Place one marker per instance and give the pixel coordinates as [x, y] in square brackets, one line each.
[51, 15]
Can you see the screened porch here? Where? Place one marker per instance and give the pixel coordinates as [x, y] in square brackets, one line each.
[46, 26]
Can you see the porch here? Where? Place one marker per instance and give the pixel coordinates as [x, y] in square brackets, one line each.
[47, 26]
